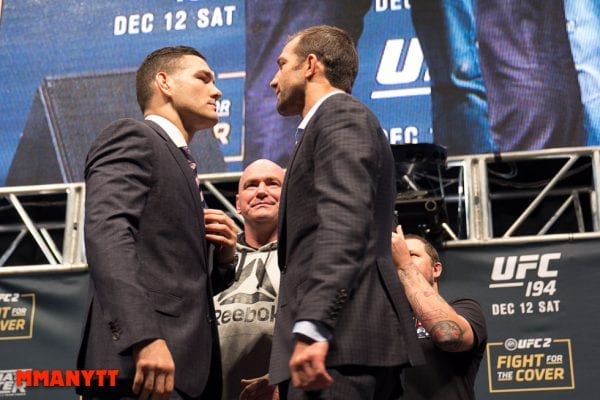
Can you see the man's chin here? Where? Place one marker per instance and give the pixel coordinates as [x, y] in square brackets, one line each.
[283, 112]
[286, 110]
[207, 122]
[262, 213]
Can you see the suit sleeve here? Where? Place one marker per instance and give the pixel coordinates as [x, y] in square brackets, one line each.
[346, 166]
[118, 177]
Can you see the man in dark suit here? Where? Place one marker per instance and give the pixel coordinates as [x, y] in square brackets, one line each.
[151, 314]
[343, 328]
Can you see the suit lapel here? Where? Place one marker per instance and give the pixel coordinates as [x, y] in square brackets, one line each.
[281, 233]
[184, 167]
[180, 160]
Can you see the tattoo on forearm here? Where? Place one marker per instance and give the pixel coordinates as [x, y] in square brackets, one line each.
[422, 311]
[447, 335]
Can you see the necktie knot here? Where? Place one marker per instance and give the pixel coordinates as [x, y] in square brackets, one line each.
[298, 135]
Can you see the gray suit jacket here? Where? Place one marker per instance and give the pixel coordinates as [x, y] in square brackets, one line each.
[147, 253]
[334, 243]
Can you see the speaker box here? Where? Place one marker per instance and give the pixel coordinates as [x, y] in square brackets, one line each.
[66, 115]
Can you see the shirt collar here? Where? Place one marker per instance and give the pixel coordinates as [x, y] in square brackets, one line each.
[172, 131]
[315, 107]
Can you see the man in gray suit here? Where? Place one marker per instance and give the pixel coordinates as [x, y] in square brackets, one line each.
[151, 314]
[343, 328]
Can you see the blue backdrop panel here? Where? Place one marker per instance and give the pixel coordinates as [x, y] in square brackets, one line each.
[73, 38]
[393, 79]
[41, 42]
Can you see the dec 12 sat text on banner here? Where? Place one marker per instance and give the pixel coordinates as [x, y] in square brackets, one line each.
[53, 41]
[540, 302]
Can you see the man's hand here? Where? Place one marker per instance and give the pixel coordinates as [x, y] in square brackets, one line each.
[154, 370]
[400, 252]
[307, 365]
[222, 232]
[259, 389]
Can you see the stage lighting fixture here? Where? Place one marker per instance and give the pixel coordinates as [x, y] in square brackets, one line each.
[420, 205]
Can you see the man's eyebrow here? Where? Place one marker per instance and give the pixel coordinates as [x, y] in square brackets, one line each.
[206, 72]
[250, 182]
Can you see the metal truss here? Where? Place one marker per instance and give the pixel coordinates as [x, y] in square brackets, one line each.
[529, 196]
[518, 197]
[40, 228]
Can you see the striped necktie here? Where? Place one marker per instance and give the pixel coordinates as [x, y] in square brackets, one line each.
[194, 167]
[190, 159]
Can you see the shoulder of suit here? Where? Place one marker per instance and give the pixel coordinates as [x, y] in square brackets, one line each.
[125, 123]
[344, 98]
[339, 96]
[143, 125]
[126, 129]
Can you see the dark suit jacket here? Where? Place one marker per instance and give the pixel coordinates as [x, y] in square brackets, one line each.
[334, 243]
[147, 254]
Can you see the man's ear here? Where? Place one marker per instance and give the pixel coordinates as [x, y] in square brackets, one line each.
[237, 204]
[437, 270]
[162, 82]
[313, 65]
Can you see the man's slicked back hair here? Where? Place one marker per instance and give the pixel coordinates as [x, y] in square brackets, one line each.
[165, 59]
[335, 49]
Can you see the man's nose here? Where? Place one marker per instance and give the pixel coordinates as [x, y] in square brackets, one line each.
[273, 82]
[217, 92]
[262, 189]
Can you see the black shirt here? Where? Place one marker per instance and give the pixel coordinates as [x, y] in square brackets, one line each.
[447, 375]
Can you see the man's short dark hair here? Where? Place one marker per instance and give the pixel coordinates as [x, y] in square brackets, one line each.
[335, 49]
[165, 59]
[429, 249]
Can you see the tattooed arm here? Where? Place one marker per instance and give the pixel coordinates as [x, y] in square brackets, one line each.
[419, 268]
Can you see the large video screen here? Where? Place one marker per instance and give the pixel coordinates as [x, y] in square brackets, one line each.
[473, 79]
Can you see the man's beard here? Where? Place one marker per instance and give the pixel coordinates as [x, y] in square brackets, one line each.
[293, 103]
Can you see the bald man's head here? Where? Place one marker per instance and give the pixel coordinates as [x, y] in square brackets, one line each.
[258, 192]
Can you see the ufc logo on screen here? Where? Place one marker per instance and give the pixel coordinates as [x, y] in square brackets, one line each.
[401, 66]
[518, 267]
